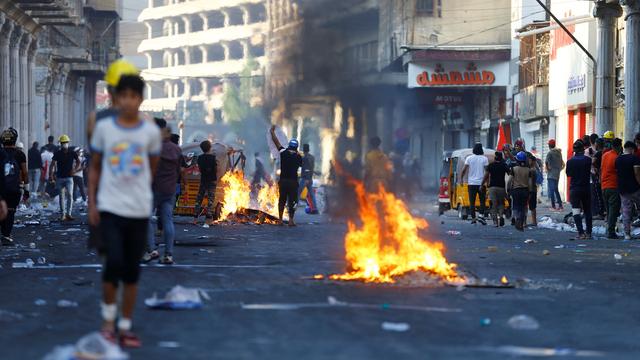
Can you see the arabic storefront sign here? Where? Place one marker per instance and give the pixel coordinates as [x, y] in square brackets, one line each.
[458, 74]
[447, 100]
[576, 83]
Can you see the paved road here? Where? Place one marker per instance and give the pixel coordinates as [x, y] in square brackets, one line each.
[582, 297]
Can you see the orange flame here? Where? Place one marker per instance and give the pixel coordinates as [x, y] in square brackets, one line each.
[236, 193]
[268, 199]
[388, 243]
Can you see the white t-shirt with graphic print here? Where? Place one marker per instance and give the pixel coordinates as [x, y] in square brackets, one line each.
[125, 181]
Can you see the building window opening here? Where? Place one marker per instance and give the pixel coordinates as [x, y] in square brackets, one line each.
[235, 51]
[196, 86]
[429, 8]
[196, 56]
[235, 17]
[178, 27]
[257, 51]
[215, 20]
[215, 53]
[257, 13]
[196, 23]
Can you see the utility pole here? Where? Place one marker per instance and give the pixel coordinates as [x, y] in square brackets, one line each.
[632, 68]
[607, 13]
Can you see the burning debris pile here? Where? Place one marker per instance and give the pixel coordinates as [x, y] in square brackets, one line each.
[238, 206]
[387, 246]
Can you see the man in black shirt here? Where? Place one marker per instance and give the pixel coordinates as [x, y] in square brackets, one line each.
[50, 146]
[306, 180]
[290, 162]
[628, 171]
[35, 167]
[208, 168]
[65, 163]
[15, 177]
[579, 170]
[495, 177]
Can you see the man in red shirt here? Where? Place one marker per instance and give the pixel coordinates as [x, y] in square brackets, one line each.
[609, 183]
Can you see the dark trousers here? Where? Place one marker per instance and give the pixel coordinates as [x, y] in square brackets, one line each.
[597, 201]
[288, 196]
[12, 199]
[78, 186]
[554, 193]
[124, 241]
[612, 201]
[208, 190]
[520, 197]
[581, 199]
[476, 190]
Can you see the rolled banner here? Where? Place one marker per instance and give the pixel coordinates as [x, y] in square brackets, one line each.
[282, 137]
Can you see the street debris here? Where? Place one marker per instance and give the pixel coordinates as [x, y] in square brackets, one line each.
[333, 302]
[32, 245]
[169, 344]
[397, 327]
[92, 346]
[546, 252]
[41, 260]
[22, 265]
[178, 298]
[530, 241]
[492, 248]
[617, 256]
[523, 322]
[485, 322]
[66, 304]
[559, 247]
[542, 352]
[40, 302]
[454, 233]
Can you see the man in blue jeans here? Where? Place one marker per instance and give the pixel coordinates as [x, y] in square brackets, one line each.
[65, 163]
[554, 164]
[164, 196]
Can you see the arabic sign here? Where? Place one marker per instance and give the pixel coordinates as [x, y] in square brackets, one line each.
[458, 74]
[576, 83]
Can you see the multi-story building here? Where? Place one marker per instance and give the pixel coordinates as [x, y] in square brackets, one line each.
[193, 48]
[52, 53]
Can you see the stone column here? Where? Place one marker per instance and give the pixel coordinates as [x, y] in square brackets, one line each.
[607, 14]
[34, 130]
[246, 52]
[23, 126]
[187, 55]
[6, 31]
[225, 46]
[14, 86]
[245, 15]
[205, 21]
[226, 17]
[632, 69]
[187, 24]
[205, 54]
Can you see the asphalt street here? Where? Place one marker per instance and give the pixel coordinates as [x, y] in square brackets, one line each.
[584, 298]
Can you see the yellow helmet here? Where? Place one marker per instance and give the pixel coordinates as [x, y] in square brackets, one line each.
[609, 135]
[64, 139]
[117, 69]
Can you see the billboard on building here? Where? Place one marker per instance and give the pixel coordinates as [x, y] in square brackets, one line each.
[458, 74]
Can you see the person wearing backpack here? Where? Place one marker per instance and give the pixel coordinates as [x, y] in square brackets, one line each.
[207, 166]
[15, 178]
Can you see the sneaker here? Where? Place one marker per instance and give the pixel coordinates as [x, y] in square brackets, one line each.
[166, 260]
[129, 340]
[7, 241]
[150, 256]
[627, 236]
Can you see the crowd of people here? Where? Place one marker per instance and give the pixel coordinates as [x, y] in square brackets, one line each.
[603, 181]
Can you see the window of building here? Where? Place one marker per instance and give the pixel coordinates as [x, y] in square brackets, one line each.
[429, 7]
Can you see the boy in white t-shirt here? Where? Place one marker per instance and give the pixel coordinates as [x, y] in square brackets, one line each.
[125, 154]
[476, 167]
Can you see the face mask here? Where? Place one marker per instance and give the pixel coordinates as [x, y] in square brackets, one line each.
[65, 146]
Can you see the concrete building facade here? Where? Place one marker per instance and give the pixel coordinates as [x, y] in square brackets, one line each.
[193, 48]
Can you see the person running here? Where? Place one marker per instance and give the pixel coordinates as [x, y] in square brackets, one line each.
[628, 171]
[15, 179]
[290, 162]
[208, 169]
[378, 168]
[519, 184]
[554, 165]
[609, 183]
[65, 164]
[78, 176]
[579, 170]
[306, 180]
[476, 166]
[35, 168]
[125, 153]
[164, 196]
[495, 178]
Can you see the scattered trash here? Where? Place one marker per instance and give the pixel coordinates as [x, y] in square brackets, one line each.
[559, 247]
[40, 302]
[492, 248]
[66, 304]
[178, 298]
[333, 302]
[542, 352]
[92, 346]
[398, 327]
[9, 316]
[617, 256]
[530, 241]
[32, 222]
[485, 322]
[69, 230]
[546, 252]
[205, 226]
[32, 245]
[523, 322]
[42, 260]
[169, 344]
[454, 232]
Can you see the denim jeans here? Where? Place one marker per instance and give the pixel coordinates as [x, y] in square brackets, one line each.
[65, 184]
[629, 202]
[554, 194]
[34, 180]
[163, 203]
[311, 197]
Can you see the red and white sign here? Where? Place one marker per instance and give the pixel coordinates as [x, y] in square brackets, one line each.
[458, 74]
